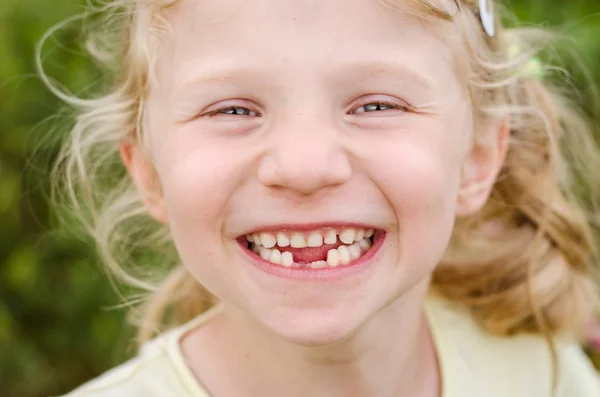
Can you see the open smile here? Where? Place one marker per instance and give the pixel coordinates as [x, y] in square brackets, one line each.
[315, 253]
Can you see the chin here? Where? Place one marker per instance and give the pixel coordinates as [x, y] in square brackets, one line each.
[320, 334]
[318, 327]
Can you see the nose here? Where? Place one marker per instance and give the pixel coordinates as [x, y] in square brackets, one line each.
[304, 158]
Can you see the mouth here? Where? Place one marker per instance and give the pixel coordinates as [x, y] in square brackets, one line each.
[323, 249]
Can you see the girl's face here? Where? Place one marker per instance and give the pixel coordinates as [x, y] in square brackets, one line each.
[313, 122]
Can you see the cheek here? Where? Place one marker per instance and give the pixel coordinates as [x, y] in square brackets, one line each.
[198, 173]
[195, 185]
[197, 182]
[420, 180]
[421, 186]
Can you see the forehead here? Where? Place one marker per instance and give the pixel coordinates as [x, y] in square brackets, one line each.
[291, 35]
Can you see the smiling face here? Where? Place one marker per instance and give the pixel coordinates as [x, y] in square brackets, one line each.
[298, 118]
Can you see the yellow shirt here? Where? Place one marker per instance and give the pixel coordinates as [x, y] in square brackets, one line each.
[473, 364]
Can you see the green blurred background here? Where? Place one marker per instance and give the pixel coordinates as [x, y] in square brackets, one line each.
[59, 325]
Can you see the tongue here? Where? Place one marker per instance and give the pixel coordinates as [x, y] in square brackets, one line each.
[310, 254]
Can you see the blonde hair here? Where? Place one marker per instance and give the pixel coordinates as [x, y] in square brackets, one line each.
[524, 263]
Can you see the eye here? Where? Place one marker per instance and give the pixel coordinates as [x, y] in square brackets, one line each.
[376, 107]
[233, 111]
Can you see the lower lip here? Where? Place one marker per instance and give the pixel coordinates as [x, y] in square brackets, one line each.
[322, 274]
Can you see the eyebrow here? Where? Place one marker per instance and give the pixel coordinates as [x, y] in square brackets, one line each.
[391, 67]
[341, 72]
[218, 74]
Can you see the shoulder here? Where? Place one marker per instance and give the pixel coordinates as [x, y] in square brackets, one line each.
[577, 377]
[153, 373]
[490, 365]
[126, 379]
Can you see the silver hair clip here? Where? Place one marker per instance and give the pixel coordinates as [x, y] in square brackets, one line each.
[486, 14]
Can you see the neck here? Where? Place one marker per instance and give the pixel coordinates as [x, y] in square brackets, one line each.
[391, 355]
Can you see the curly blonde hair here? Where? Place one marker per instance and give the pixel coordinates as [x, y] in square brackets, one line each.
[524, 263]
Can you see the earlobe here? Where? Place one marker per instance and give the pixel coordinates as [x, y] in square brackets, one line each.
[141, 171]
[481, 168]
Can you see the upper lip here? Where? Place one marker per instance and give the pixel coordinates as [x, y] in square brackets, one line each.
[297, 227]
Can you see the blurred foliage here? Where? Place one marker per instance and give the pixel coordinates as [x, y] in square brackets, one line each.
[58, 325]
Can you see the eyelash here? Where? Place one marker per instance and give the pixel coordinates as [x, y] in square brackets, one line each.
[244, 111]
[226, 109]
[388, 105]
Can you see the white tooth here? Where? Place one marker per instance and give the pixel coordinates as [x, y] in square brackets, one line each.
[287, 259]
[275, 257]
[360, 234]
[315, 240]
[333, 258]
[347, 236]
[365, 244]
[265, 253]
[256, 249]
[283, 240]
[249, 238]
[369, 233]
[344, 254]
[354, 251]
[298, 241]
[268, 240]
[256, 238]
[331, 237]
[318, 265]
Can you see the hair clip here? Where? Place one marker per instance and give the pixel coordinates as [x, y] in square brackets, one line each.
[486, 14]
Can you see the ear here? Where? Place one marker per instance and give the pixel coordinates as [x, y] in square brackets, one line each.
[482, 166]
[142, 173]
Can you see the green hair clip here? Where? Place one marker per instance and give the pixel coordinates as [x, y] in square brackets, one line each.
[534, 67]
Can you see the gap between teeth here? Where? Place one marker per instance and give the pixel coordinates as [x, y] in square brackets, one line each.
[315, 239]
[341, 255]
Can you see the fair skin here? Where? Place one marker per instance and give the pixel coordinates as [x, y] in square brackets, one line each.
[347, 113]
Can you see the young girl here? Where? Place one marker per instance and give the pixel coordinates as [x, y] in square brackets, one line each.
[368, 198]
